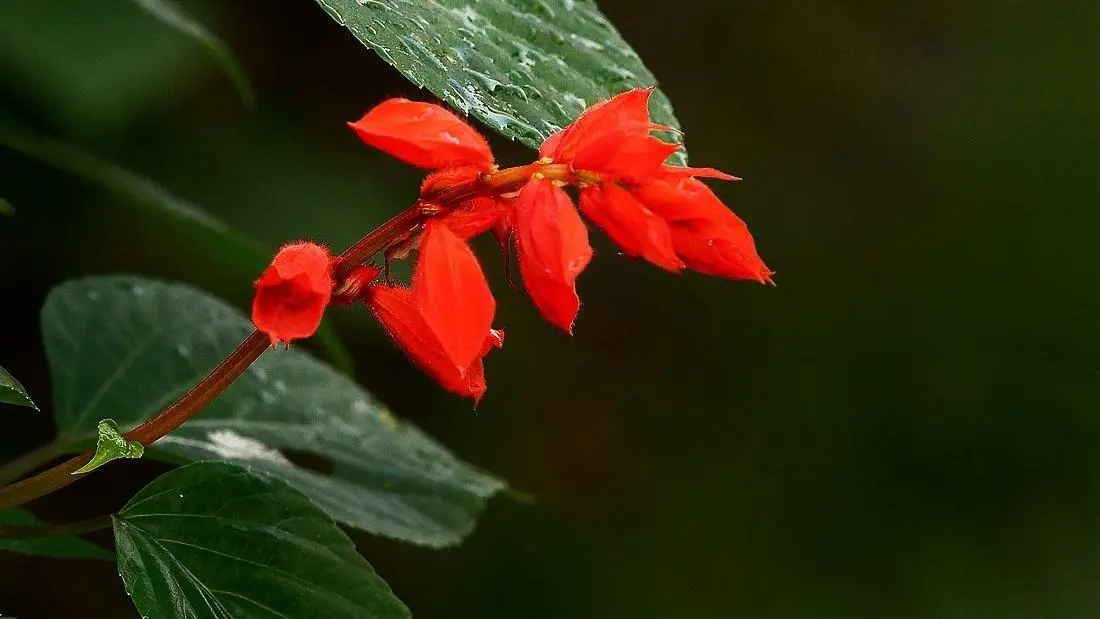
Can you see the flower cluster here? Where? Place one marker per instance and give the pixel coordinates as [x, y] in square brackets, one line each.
[443, 319]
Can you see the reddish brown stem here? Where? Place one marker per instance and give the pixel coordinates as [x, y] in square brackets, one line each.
[173, 416]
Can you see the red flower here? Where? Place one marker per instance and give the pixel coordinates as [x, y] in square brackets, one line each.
[553, 249]
[423, 135]
[293, 292]
[443, 322]
[659, 212]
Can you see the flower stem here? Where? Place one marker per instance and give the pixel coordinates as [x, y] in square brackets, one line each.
[175, 414]
[502, 181]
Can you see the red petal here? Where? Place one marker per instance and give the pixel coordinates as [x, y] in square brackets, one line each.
[452, 293]
[685, 198]
[625, 153]
[397, 310]
[627, 108]
[475, 216]
[293, 292]
[719, 250]
[553, 250]
[630, 224]
[680, 171]
[423, 135]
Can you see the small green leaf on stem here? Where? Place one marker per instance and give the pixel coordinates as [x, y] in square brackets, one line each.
[12, 392]
[111, 445]
[387, 477]
[171, 15]
[7, 209]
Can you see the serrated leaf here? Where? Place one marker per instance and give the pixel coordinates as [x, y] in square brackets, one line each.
[526, 68]
[214, 541]
[150, 196]
[110, 445]
[61, 546]
[12, 392]
[171, 14]
[127, 347]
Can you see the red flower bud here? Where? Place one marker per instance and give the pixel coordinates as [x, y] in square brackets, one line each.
[293, 292]
[553, 249]
[423, 135]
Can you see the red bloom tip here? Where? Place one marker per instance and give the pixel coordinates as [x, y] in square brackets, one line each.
[706, 235]
[293, 292]
[633, 227]
[423, 134]
[681, 171]
[725, 251]
[553, 249]
[442, 320]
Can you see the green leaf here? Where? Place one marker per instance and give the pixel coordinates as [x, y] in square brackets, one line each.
[61, 546]
[169, 13]
[110, 445]
[153, 198]
[213, 541]
[12, 392]
[126, 347]
[526, 68]
[6, 208]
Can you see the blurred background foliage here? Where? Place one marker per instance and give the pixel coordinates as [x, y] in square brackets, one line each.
[906, 427]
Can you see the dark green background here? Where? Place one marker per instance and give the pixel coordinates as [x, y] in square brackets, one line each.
[908, 426]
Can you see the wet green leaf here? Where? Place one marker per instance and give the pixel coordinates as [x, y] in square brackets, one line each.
[171, 14]
[214, 541]
[110, 445]
[60, 546]
[12, 392]
[126, 347]
[526, 68]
